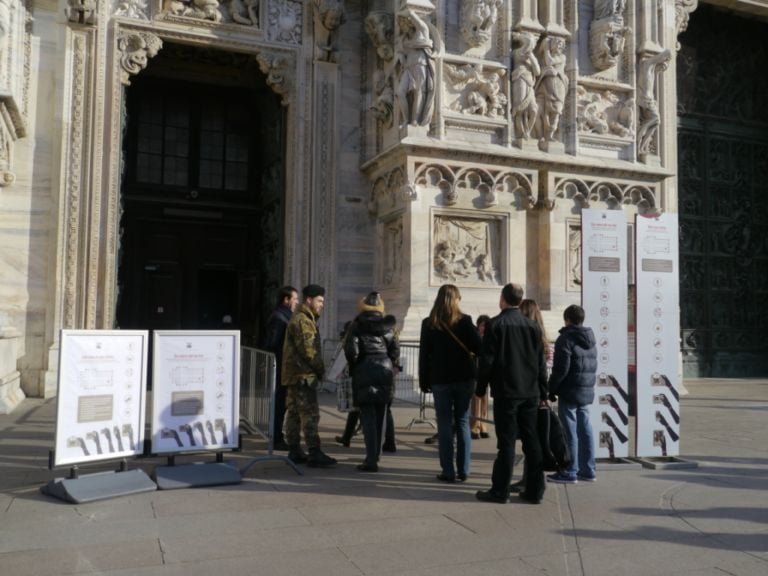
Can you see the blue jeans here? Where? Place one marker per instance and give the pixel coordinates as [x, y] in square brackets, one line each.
[578, 434]
[452, 410]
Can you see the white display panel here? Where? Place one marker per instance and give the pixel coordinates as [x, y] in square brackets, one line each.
[101, 395]
[604, 299]
[195, 390]
[657, 277]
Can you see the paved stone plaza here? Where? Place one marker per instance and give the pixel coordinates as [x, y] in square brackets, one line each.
[712, 520]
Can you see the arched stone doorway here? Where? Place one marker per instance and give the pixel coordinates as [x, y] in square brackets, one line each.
[723, 194]
[202, 194]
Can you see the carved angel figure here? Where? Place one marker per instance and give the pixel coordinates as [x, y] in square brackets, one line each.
[481, 93]
[415, 65]
[552, 86]
[329, 16]
[380, 28]
[245, 11]
[477, 20]
[523, 79]
[202, 9]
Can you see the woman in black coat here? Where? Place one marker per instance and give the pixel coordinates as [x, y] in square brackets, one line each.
[373, 352]
[448, 346]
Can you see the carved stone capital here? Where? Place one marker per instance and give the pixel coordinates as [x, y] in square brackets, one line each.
[82, 12]
[279, 69]
[136, 48]
[683, 9]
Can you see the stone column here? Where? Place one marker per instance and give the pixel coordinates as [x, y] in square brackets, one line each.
[11, 393]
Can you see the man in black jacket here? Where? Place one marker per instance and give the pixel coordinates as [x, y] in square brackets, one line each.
[573, 382]
[512, 361]
[287, 300]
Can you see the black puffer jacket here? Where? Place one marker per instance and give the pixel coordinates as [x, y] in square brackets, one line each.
[573, 372]
[372, 351]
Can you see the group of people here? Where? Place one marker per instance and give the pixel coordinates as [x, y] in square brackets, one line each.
[458, 363]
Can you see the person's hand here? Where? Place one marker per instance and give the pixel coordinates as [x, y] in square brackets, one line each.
[552, 397]
[544, 403]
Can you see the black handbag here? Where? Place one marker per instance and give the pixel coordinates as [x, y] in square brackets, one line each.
[554, 447]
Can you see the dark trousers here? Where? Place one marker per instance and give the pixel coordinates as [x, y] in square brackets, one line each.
[351, 426]
[277, 428]
[372, 419]
[515, 417]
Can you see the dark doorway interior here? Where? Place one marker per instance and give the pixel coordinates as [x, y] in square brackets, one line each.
[202, 195]
[723, 194]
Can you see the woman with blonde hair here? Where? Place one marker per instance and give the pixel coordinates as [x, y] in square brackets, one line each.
[448, 346]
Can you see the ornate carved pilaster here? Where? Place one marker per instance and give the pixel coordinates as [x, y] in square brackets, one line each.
[136, 48]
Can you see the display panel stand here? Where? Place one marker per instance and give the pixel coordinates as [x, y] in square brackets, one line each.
[98, 486]
[610, 464]
[270, 458]
[196, 474]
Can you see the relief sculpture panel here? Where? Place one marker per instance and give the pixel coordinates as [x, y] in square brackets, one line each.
[466, 251]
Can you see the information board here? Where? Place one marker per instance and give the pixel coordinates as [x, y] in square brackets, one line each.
[604, 299]
[196, 388]
[657, 277]
[101, 395]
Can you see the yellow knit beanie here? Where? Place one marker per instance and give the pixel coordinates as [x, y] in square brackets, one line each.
[371, 303]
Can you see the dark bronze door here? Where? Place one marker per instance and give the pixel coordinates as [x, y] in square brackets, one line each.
[723, 194]
[194, 202]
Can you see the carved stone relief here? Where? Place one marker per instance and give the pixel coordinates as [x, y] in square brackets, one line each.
[243, 12]
[485, 187]
[603, 111]
[573, 255]
[279, 69]
[82, 11]
[415, 67]
[285, 21]
[392, 248]
[390, 191]
[607, 33]
[136, 48]
[475, 89]
[466, 251]
[613, 194]
[328, 18]
[478, 18]
[380, 27]
[138, 9]
[648, 117]
[383, 104]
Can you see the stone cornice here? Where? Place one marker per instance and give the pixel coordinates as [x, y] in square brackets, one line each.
[434, 149]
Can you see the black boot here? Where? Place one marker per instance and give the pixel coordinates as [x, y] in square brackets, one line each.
[296, 454]
[319, 459]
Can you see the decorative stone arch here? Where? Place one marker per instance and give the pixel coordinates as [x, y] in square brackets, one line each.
[613, 193]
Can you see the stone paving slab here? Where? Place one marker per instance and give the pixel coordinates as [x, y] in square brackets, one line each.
[708, 521]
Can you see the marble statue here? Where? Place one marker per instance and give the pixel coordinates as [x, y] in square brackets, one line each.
[551, 87]
[415, 65]
[477, 20]
[607, 33]
[649, 119]
[522, 81]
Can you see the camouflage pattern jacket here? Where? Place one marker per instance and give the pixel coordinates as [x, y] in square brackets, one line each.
[302, 351]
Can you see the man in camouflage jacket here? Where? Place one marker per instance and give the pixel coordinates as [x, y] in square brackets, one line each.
[302, 371]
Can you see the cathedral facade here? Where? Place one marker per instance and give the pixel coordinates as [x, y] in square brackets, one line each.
[172, 163]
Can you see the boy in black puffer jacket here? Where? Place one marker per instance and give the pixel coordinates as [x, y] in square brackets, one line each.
[573, 382]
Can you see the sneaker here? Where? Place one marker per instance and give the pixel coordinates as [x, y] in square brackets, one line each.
[561, 478]
[586, 478]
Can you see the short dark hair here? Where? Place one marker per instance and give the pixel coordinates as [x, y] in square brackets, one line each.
[482, 319]
[512, 294]
[574, 314]
[285, 292]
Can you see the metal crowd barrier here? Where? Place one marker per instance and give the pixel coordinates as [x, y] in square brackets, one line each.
[258, 378]
[407, 385]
